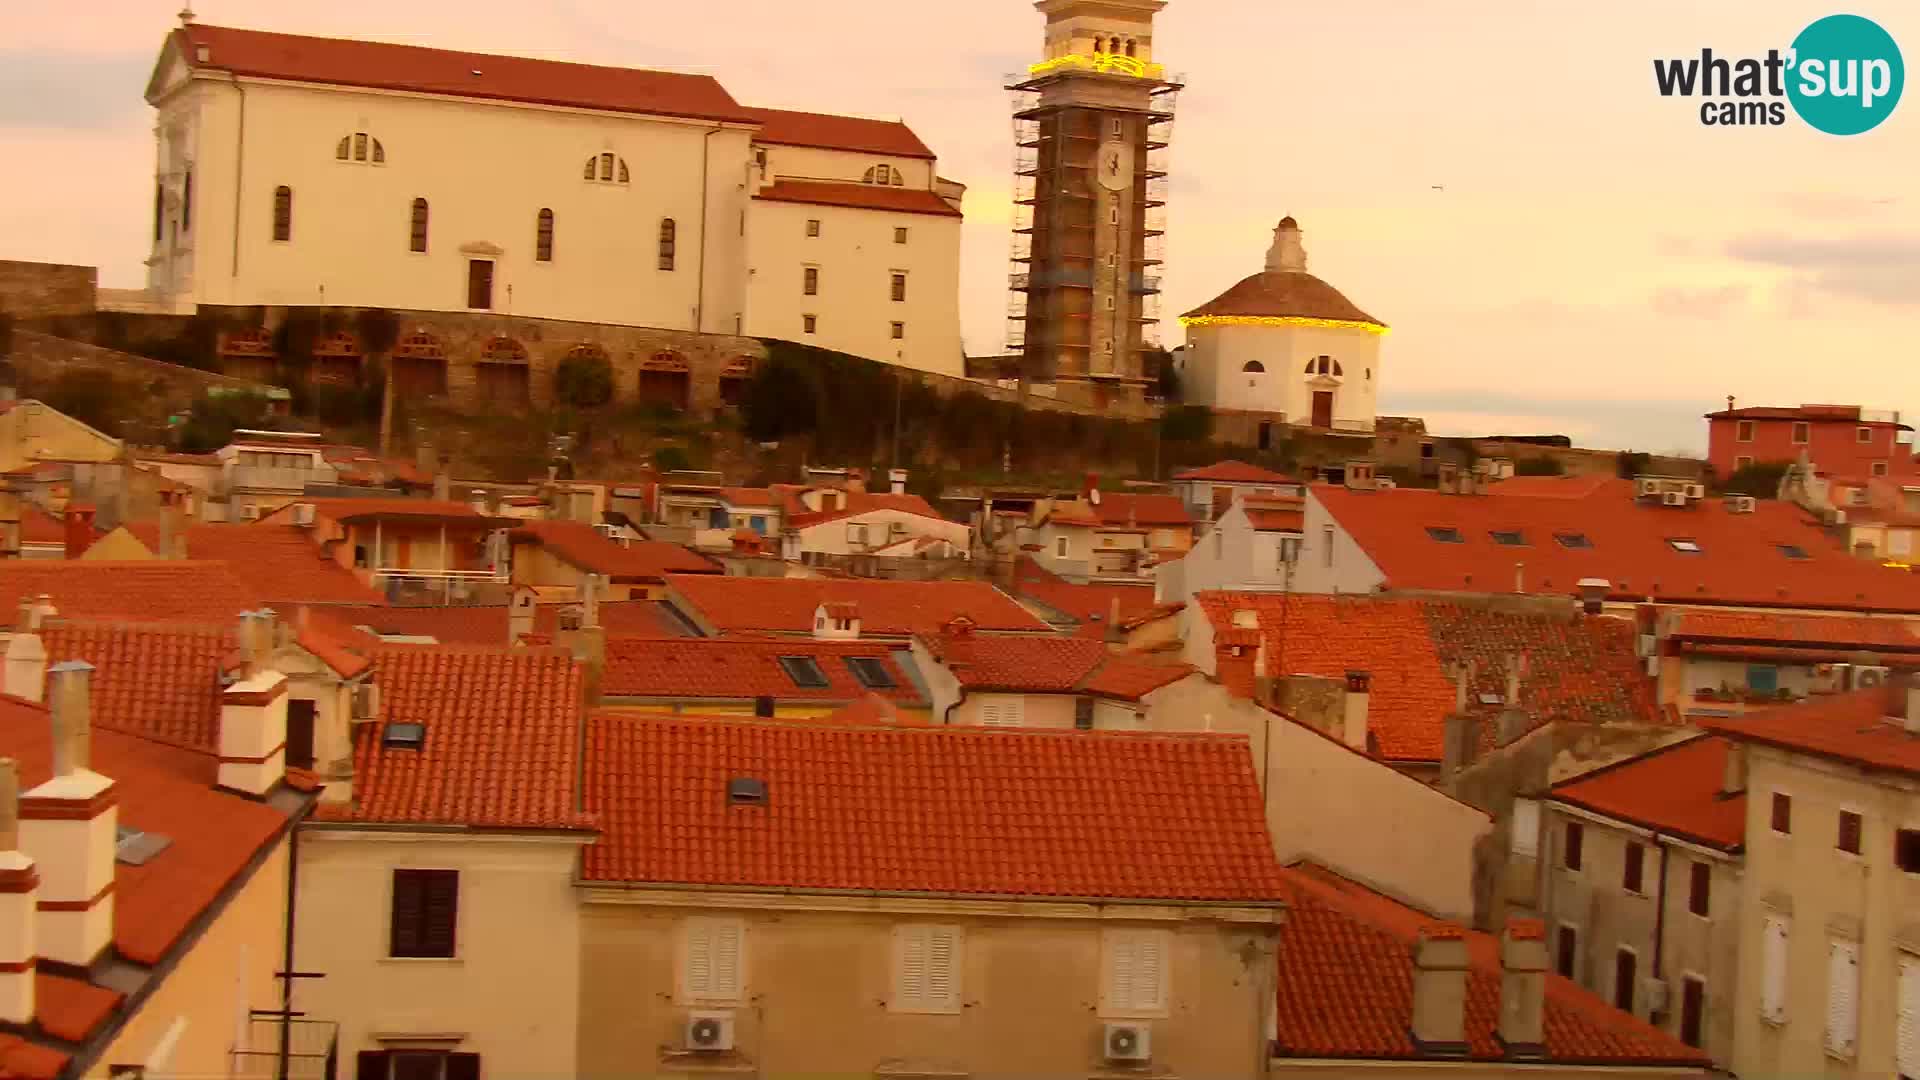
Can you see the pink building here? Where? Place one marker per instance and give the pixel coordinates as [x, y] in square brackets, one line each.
[1844, 440]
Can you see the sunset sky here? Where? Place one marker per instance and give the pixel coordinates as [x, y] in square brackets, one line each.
[1557, 248]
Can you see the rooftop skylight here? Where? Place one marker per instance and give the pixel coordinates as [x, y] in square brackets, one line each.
[1446, 534]
[1685, 545]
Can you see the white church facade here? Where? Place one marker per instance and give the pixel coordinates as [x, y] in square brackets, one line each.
[295, 171]
[1283, 347]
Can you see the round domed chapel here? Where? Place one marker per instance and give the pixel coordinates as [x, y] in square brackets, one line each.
[1282, 347]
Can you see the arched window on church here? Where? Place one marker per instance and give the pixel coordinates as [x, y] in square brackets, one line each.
[1253, 366]
[1131, 46]
[417, 227]
[361, 149]
[606, 168]
[885, 176]
[1324, 365]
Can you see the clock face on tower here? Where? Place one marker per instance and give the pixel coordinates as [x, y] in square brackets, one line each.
[1115, 168]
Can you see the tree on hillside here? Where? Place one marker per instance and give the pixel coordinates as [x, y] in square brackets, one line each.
[1760, 479]
[781, 401]
[379, 331]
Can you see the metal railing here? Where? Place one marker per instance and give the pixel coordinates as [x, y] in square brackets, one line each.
[269, 478]
[311, 1049]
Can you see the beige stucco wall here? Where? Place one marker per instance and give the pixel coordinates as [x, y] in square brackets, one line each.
[856, 255]
[511, 994]
[817, 985]
[1826, 894]
[1346, 570]
[350, 221]
[831, 536]
[816, 163]
[1216, 355]
[1594, 901]
[33, 432]
[227, 971]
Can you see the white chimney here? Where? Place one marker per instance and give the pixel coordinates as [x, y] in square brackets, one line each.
[1440, 992]
[19, 906]
[1523, 988]
[1288, 254]
[68, 826]
[1359, 694]
[897, 481]
[26, 672]
[253, 716]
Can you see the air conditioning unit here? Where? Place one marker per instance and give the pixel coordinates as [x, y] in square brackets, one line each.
[1384, 483]
[1131, 1041]
[249, 512]
[1646, 485]
[1696, 491]
[366, 701]
[1674, 498]
[1740, 504]
[1654, 993]
[303, 513]
[1863, 676]
[709, 1032]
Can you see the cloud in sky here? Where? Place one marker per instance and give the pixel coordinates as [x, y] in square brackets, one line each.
[1593, 244]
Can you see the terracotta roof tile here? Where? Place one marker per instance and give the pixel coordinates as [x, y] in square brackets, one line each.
[158, 681]
[740, 668]
[280, 563]
[640, 560]
[827, 132]
[1772, 628]
[985, 662]
[501, 748]
[1091, 605]
[22, 1060]
[1863, 728]
[1132, 676]
[470, 75]
[929, 810]
[1818, 414]
[486, 624]
[1675, 789]
[863, 502]
[888, 608]
[1129, 508]
[71, 1009]
[902, 200]
[1740, 561]
[1576, 669]
[142, 591]
[1284, 293]
[1346, 987]
[1235, 472]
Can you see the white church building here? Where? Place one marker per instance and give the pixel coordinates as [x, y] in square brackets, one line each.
[1283, 347]
[298, 171]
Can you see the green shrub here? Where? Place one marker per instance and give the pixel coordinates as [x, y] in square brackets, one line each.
[1760, 479]
[584, 382]
[671, 459]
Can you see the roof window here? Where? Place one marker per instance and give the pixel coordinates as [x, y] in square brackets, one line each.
[804, 671]
[747, 791]
[1446, 534]
[133, 847]
[1684, 545]
[404, 735]
[1508, 537]
[1573, 540]
[1793, 551]
[871, 673]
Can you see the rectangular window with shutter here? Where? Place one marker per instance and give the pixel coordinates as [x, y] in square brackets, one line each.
[425, 913]
[1633, 877]
[1907, 1037]
[1566, 951]
[712, 961]
[1524, 836]
[1626, 964]
[416, 1065]
[1693, 1011]
[1843, 996]
[1573, 851]
[1700, 888]
[1133, 965]
[1848, 838]
[1782, 813]
[926, 969]
[1773, 969]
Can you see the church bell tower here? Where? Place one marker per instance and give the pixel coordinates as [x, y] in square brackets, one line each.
[1093, 120]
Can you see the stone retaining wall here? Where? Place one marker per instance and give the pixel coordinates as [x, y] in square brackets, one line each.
[30, 290]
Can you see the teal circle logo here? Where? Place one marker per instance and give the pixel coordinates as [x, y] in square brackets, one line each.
[1845, 74]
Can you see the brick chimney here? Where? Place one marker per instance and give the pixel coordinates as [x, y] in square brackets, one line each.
[1523, 988]
[1359, 694]
[253, 715]
[1440, 992]
[19, 906]
[79, 523]
[68, 828]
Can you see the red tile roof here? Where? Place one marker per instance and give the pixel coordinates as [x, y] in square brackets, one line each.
[39, 527]
[929, 810]
[1285, 294]
[1059, 665]
[888, 608]
[1346, 987]
[1862, 728]
[158, 681]
[22, 1060]
[1582, 670]
[745, 496]
[1129, 508]
[822, 131]
[1740, 561]
[1281, 514]
[487, 624]
[859, 502]
[1675, 790]
[1562, 487]
[1772, 628]
[281, 563]
[743, 668]
[1091, 605]
[164, 790]
[502, 741]
[902, 200]
[1818, 414]
[371, 507]
[638, 561]
[142, 591]
[1235, 472]
[379, 65]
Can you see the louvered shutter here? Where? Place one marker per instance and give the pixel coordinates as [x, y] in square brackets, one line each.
[440, 914]
[1773, 969]
[943, 977]
[1907, 1044]
[372, 1065]
[1149, 974]
[726, 960]
[699, 962]
[1120, 953]
[910, 980]
[463, 1067]
[1843, 996]
[403, 936]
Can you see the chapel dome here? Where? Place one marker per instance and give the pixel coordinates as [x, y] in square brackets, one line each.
[1284, 289]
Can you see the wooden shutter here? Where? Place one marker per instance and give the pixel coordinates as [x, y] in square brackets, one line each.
[1843, 996]
[1150, 973]
[714, 955]
[725, 937]
[1907, 1038]
[440, 914]
[699, 962]
[1693, 1008]
[1120, 973]
[943, 975]
[1576, 844]
[1700, 889]
[463, 1067]
[404, 931]
[1136, 972]
[910, 974]
[372, 1065]
[1773, 969]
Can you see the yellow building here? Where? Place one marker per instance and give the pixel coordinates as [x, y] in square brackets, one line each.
[32, 432]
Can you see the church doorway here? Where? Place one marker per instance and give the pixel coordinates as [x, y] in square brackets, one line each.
[1323, 408]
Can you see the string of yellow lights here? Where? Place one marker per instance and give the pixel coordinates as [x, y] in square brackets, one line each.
[1281, 320]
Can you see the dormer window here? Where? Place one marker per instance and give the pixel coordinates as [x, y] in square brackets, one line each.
[606, 168]
[884, 175]
[360, 148]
